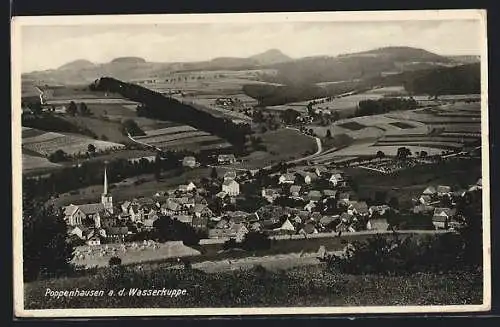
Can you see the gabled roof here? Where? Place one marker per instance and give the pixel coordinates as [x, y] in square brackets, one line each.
[230, 174]
[422, 208]
[200, 207]
[287, 225]
[126, 204]
[429, 190]
[304, 174]
[288, 177]
[229, 182]
[327, 220]
[316, 216]
[117, 230]
[91, 208]
[184, 218]
[443, 189]
[360, 207]
[314, 193]
[344, 195]
[309, 229]
[70, 210]
[443, 212]
[329, 193]
[221, 194]
[295, 188]
[346, 216]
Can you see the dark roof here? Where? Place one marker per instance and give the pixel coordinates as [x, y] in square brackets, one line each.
[117, 230]
[91, 208]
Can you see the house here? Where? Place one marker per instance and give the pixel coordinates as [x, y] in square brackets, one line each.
[308, 229]
[286, 227]
[442, 217]
[270, 194]
[295, 190]
[221, 195]
[315, 216]
[256, 226]
[430, 190]
[148, 224]
[346, 217]
[94, 240]
[310, 206]
[82, 232]
[237, 217]
[287, 178]
[231, 174]
[320, 170]
[117, 233]
[329, 193]
[186, 202]
[191, 187]
[183, 188]
[335, 179]
[423, 209]
[226, 159]
[443, 190]
[73, 215]
[478, 186]
[308, 177]
[297, 220]
[238, 231]
[378, 210]
[200, 222]
[223, 224]
[187, 219]
[314, 195]
[345, 196]
[327, 221]
[425, 199]
[125, 206]
[231, 187]
[359, 208]
[377, 224]
[201, 210]
[189, 161]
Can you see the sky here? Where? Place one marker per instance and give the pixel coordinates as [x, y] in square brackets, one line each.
[49, 47]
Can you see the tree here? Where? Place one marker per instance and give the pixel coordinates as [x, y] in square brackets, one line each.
[335, 116]
[423, 154]
[46, 248]
[114, 261]
[394, 203]
[213, 173]
[72, 109]
[328, 134]
[58, 156]
[131, 127]
[91, 149]
[380, 154]
[84, 110]
[403, 153]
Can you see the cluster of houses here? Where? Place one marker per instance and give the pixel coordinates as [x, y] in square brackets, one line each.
[440, 201]
[222, 159]
[320, 200]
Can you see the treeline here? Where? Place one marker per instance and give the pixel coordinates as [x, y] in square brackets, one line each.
[272, 95]
[155, 105]
[52, 123]
[465, 79]
[384, 105]
[91, 173]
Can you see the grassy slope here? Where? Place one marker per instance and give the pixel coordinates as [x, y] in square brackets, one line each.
[305, 286]
[409, 183]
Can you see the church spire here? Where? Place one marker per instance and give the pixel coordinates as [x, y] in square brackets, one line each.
[105, 181]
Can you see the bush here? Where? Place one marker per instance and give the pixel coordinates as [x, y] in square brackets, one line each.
[114, 261]
[401, 256]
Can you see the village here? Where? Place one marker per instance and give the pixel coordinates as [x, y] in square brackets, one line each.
[301, 201]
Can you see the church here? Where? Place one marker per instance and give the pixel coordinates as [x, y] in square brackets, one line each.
[89, 215]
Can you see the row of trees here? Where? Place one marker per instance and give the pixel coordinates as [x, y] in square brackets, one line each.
[384, 105]
[81, 109]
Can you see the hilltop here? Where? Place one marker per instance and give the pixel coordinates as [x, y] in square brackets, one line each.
[269, 57]
[77, 65]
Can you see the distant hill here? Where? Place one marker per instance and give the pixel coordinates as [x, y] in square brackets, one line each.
[128, 60]
[77, 64]
[466, 59]
[269, 57]
[355, 66]
[297, 72]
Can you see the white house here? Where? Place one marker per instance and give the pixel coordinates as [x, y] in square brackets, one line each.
[231, 187]
[226, 159]
[442, 217]
[287, 178]
[189, 161]
[335, 179]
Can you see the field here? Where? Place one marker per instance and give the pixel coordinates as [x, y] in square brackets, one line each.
[47, 143]
[32, 163]
[182, 137]
[281, 145]
[296, 287]
[447, 127]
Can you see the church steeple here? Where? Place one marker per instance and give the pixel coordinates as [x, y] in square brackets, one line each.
[106, 199]
[105, 182]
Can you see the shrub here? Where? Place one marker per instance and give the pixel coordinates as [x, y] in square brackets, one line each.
[114, 261]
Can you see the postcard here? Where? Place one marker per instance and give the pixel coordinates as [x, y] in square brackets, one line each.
[250, 164]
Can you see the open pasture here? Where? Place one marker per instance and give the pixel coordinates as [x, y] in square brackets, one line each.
[107, 128]
[47, 143]
[30, 163]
